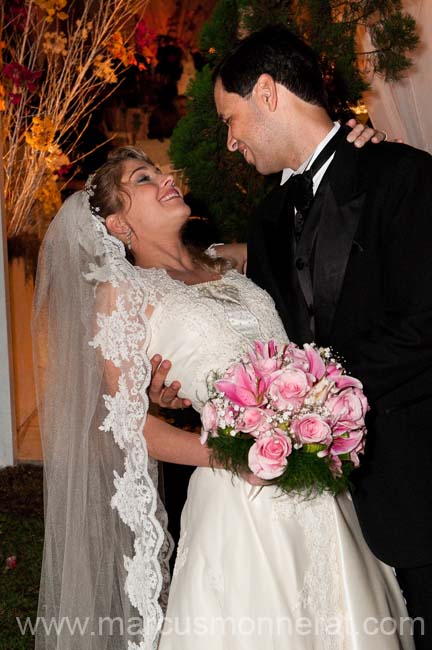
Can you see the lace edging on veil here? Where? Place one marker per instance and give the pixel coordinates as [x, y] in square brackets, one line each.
[123, 336]
[89, 312]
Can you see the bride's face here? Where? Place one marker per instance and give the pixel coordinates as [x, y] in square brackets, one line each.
[155, 205]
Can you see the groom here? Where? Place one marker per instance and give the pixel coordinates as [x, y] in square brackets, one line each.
[345, 250]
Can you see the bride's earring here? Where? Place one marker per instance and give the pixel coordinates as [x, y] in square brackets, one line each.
[129, 239]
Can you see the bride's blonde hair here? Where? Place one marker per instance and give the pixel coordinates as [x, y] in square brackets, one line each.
[109, 196]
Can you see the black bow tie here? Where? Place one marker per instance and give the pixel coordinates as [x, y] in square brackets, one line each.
[300, 190]
[299, 187]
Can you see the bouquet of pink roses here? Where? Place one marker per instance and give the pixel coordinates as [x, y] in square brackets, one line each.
[290, 415]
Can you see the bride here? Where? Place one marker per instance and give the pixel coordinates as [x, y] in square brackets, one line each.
[255, 569]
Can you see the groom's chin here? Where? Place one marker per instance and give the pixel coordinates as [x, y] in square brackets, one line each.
[265, 167]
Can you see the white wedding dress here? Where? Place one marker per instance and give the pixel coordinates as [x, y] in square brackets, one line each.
[257, 570]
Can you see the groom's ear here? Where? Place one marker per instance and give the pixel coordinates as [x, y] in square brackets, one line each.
[265, 92]
[116, 225]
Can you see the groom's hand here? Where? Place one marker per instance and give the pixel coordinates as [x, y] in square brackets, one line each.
[164, 396]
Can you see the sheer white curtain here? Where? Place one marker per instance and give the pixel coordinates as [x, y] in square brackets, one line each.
[403, 109]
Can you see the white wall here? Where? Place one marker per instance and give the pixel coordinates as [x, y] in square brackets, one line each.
[7, 412]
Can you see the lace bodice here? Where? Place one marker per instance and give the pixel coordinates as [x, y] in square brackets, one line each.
[202, 328]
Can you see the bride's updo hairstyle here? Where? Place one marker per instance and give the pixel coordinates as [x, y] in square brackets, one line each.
[109, 196]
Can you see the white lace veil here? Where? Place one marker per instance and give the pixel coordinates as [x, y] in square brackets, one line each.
[105, 574]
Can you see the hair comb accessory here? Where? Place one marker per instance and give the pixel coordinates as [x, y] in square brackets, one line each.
[89, 188]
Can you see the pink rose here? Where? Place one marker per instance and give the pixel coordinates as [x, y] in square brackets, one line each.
[241, 385]
[209, 421]
[348, 409]
[289, 388]
[268, 455]
[311, 429]
[253, 420]
[209, 417]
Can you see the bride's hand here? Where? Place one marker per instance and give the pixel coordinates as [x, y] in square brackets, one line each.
[164, 396]
[361, 134]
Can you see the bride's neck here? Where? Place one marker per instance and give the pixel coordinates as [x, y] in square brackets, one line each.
[170, 255]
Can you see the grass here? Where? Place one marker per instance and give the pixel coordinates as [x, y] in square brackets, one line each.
[21, 535]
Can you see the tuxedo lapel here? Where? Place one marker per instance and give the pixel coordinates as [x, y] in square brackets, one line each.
[274, 263]
[304, 252]
[335, 236]
[274, 207]
[276, 228]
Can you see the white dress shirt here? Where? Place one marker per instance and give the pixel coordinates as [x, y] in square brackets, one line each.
[288, 172]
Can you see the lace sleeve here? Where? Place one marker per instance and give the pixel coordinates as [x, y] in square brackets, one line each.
[122, 339]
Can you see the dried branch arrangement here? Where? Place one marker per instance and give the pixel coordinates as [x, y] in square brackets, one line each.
[56, 56]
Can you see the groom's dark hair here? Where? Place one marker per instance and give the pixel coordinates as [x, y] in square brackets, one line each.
[276, 51]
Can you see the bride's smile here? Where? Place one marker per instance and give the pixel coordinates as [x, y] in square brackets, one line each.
[152, 211]
[172, 194]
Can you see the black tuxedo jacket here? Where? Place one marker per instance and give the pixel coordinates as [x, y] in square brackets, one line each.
[360, 280]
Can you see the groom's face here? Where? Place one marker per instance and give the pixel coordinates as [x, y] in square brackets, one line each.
[248, 132]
